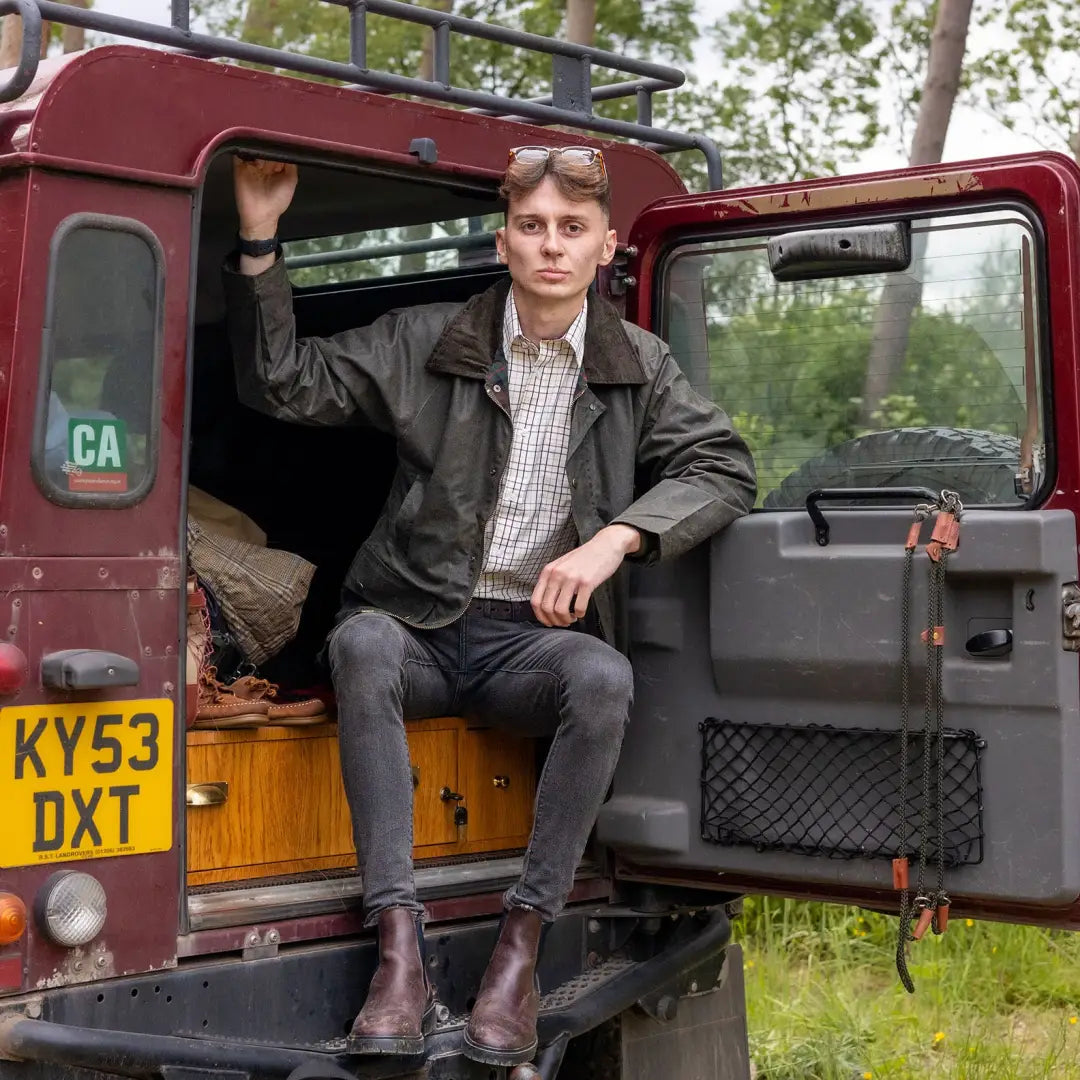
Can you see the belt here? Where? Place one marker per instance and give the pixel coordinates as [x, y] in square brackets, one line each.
[506, 610]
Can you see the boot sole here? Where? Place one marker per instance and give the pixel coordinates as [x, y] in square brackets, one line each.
[399, 1045]
[493, 1055]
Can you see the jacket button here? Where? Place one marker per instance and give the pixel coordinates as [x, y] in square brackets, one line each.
[592, 406]
[493, 471]
[497, 388]
[573, 482]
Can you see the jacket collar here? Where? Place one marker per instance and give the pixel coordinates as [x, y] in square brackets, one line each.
[471, 340]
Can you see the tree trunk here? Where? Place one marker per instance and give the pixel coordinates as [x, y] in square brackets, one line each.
[427, 49]
[892, 319]
[260, 21]
[74, 37]
[10, 41]
[581, 21]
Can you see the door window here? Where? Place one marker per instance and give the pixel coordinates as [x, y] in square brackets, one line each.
[926, 376]
[95, 441]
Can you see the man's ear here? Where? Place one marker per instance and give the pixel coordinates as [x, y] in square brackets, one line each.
[500, 243]
[609, 248]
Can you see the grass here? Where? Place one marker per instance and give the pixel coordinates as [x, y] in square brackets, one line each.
[992, 1002]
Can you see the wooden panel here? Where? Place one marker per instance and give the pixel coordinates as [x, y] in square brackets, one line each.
[286, 811]
[498, 813]
[434, 756]
[285, 802]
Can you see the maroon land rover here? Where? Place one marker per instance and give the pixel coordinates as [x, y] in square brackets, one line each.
[821, 709]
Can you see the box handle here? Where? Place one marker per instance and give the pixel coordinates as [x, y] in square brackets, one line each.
[212, 794]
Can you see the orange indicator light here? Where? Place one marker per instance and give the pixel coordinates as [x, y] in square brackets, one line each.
[12, 918]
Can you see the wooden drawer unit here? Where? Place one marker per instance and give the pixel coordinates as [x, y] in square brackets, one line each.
[270, 801]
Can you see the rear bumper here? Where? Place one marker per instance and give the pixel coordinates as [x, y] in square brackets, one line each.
[32, 1048]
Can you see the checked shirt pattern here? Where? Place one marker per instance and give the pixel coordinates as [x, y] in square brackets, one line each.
[532, 524]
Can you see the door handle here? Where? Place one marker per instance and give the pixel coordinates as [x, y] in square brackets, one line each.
[875, 494]
[87, 669]
[990, 643]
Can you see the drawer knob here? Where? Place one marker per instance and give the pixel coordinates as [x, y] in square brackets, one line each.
[501, 781]
[212, 794]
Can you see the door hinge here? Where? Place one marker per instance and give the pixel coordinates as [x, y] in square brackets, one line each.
[1070, 616]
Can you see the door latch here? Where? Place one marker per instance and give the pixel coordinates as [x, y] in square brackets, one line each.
[1070, 616]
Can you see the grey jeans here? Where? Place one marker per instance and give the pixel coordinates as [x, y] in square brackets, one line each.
[522, 676]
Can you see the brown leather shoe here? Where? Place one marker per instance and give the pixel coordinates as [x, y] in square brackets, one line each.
[400, 1006]
[219, 709]
[279, 714]
[502, 1027]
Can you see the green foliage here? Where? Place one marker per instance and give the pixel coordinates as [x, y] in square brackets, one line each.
[799, 89]
[792, 374]
[992, 1002]
[1029, 80]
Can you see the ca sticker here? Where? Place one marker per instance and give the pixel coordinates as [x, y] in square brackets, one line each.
[97, 456]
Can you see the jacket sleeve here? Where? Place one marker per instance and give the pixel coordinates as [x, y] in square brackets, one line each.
[699, 471]
[364, 376]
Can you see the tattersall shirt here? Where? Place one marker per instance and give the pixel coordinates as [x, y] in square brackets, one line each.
[531, 524]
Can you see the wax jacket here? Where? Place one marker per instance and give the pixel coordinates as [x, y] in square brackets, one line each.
[645, 448]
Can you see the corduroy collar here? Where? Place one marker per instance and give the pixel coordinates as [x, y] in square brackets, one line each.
[468, 344]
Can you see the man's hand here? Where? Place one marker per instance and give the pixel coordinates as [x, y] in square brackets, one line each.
[565, 586]
[264, 189]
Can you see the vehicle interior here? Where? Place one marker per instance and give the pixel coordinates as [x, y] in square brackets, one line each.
[317, 492]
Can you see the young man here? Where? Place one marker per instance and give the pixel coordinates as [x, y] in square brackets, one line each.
[490, 585]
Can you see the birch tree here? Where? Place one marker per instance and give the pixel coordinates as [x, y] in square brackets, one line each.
[892, 319]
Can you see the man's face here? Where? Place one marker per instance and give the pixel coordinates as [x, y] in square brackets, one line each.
[553, 245]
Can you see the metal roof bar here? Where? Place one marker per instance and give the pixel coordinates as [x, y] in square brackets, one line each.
[469, 242]
[570, 101]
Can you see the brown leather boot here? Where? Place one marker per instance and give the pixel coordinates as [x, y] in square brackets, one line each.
[400, 1006]
[502, 1027]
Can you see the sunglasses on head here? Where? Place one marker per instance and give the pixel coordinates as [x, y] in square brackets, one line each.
[574, 155]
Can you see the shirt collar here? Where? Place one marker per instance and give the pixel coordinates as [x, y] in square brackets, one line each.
[574, 336]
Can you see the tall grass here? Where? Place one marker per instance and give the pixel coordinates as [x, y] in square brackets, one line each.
[992, 1002]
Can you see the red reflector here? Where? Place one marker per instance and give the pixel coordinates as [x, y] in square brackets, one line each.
[10, 972]
[13, 668]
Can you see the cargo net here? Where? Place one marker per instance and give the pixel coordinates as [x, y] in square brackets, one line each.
[829, 791]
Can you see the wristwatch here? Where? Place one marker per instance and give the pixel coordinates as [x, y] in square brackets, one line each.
[257, 248]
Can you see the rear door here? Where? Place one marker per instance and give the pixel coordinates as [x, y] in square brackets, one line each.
[906, 331]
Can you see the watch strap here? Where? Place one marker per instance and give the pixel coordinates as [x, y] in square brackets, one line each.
[257, 248]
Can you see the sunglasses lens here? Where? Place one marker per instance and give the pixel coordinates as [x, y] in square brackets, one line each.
[578, 155]
[530, 155]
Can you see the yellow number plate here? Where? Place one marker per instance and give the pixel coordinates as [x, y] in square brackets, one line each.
[85, 781]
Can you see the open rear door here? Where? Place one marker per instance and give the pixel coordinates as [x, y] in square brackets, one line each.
[919, 331]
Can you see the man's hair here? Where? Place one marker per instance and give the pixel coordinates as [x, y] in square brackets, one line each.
[579, 183]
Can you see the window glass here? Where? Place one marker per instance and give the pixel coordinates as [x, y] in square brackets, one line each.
[927, 376]
[394, 252]
[101, 344]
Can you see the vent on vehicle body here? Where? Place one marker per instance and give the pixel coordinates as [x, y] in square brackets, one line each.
[819, 790]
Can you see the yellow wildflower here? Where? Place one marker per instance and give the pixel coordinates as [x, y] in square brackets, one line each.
[867, 1076]
[1072, 1019]
[969, 922]
[939, 1036]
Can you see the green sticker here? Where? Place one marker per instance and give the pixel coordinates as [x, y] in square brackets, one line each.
[98, 445]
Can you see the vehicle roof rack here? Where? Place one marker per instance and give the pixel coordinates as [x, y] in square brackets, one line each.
[569, 104]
